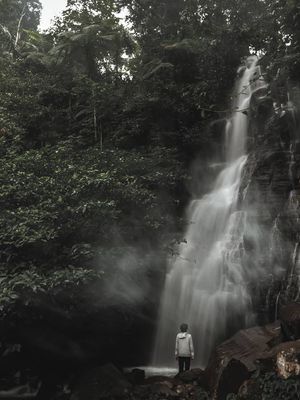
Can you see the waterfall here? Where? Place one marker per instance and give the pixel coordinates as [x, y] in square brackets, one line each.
[206, 286]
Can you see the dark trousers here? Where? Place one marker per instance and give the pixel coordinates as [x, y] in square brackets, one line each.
[184, 363]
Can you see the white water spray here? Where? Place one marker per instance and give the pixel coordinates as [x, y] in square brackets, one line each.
[206, 285]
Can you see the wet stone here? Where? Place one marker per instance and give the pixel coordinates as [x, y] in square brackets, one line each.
[194, 375]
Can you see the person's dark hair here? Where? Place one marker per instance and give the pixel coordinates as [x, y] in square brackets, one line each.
[184, 327]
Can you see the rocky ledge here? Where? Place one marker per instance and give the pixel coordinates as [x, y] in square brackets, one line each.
[253, 364]
[258, 363]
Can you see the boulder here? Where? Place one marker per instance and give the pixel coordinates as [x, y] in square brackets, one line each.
[200, 394]
[284, 358]
[158, 390]
[163, 389]
[154, 391]
[249, 389]
[136, 376]
[236, 359]
[161, 378]
[288, 364]
[193, 375]
[269, 386]
[290, 317]
[185, 391]
[101, 383]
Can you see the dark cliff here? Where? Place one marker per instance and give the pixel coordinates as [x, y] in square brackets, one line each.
[270, 194]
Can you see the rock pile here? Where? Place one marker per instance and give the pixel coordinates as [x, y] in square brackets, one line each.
[261, 348]
[108, 383]
[251, 365]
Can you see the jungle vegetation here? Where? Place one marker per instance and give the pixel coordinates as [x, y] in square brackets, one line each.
[101, 117]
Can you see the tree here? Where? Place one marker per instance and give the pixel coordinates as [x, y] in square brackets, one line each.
[93, 49]
[80, 13]
[17, 15]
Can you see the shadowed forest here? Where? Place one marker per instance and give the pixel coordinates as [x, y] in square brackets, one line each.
[111, 122]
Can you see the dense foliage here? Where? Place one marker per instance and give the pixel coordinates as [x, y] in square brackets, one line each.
[100, 118]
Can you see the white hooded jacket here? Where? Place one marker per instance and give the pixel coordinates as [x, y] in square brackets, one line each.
[184, 345]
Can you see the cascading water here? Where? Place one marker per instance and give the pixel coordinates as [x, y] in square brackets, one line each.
[206, 285]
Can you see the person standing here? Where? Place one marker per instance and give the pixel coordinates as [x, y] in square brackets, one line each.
[184, 349]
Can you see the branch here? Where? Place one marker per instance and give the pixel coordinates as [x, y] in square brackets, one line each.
[19, 24]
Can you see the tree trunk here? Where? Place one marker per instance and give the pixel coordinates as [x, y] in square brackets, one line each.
[18, 34]
[101, 137]
[95, 125]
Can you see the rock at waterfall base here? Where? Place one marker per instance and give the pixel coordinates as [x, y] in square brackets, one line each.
[136, 376]
[108, 383]
[288, 363]
[234, 361]
[284, 359]
[290, 317]
[103, 382]
[193, 375]
[163, 389]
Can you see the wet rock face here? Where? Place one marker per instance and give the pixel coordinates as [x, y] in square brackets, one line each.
[270, 194]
